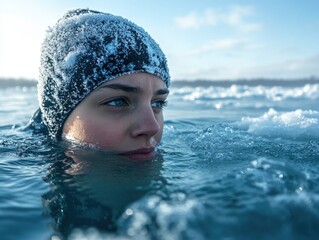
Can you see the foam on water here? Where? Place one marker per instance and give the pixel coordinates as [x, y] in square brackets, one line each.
[275, 93]
[298, 124]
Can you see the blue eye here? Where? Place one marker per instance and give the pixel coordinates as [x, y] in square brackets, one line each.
[119, 102]
[159, 104]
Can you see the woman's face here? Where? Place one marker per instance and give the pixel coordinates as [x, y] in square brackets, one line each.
[123, 116]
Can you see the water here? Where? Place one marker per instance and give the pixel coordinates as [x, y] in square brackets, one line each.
[236, 162]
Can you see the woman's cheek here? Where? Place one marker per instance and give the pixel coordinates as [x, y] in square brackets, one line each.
[106, 135]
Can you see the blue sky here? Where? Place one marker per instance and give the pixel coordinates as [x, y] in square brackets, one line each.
[203, 39]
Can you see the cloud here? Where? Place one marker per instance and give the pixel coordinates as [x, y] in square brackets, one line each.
[192, 20]
[218, 45]
[289, 69]
[234, 16]
[225, 45]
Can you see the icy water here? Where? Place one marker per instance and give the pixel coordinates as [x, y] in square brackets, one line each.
[236, 162]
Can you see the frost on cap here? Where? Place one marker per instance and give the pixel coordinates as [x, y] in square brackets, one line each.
[86, 49]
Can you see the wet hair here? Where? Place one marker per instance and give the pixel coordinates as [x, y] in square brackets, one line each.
[84, 50]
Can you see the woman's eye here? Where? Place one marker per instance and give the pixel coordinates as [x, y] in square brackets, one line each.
[159, 104]
[119, 102]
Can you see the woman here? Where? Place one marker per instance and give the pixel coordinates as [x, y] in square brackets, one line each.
[103, 81]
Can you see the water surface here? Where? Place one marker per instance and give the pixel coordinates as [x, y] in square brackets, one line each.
[236, 162]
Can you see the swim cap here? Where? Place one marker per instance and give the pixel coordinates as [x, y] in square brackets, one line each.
[86, 49]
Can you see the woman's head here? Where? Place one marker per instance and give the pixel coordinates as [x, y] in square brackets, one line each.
[82, 54]
[123, 115]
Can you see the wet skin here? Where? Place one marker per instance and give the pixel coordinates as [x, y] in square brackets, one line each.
[124, 116]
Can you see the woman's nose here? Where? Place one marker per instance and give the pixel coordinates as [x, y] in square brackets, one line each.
[146, 123]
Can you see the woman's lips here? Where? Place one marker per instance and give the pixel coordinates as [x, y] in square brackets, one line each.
[141, 154]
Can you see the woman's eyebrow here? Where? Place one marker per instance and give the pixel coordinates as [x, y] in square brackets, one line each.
[162, 91]
[126, 88]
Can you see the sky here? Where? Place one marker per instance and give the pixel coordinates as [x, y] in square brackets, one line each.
[203, 39]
